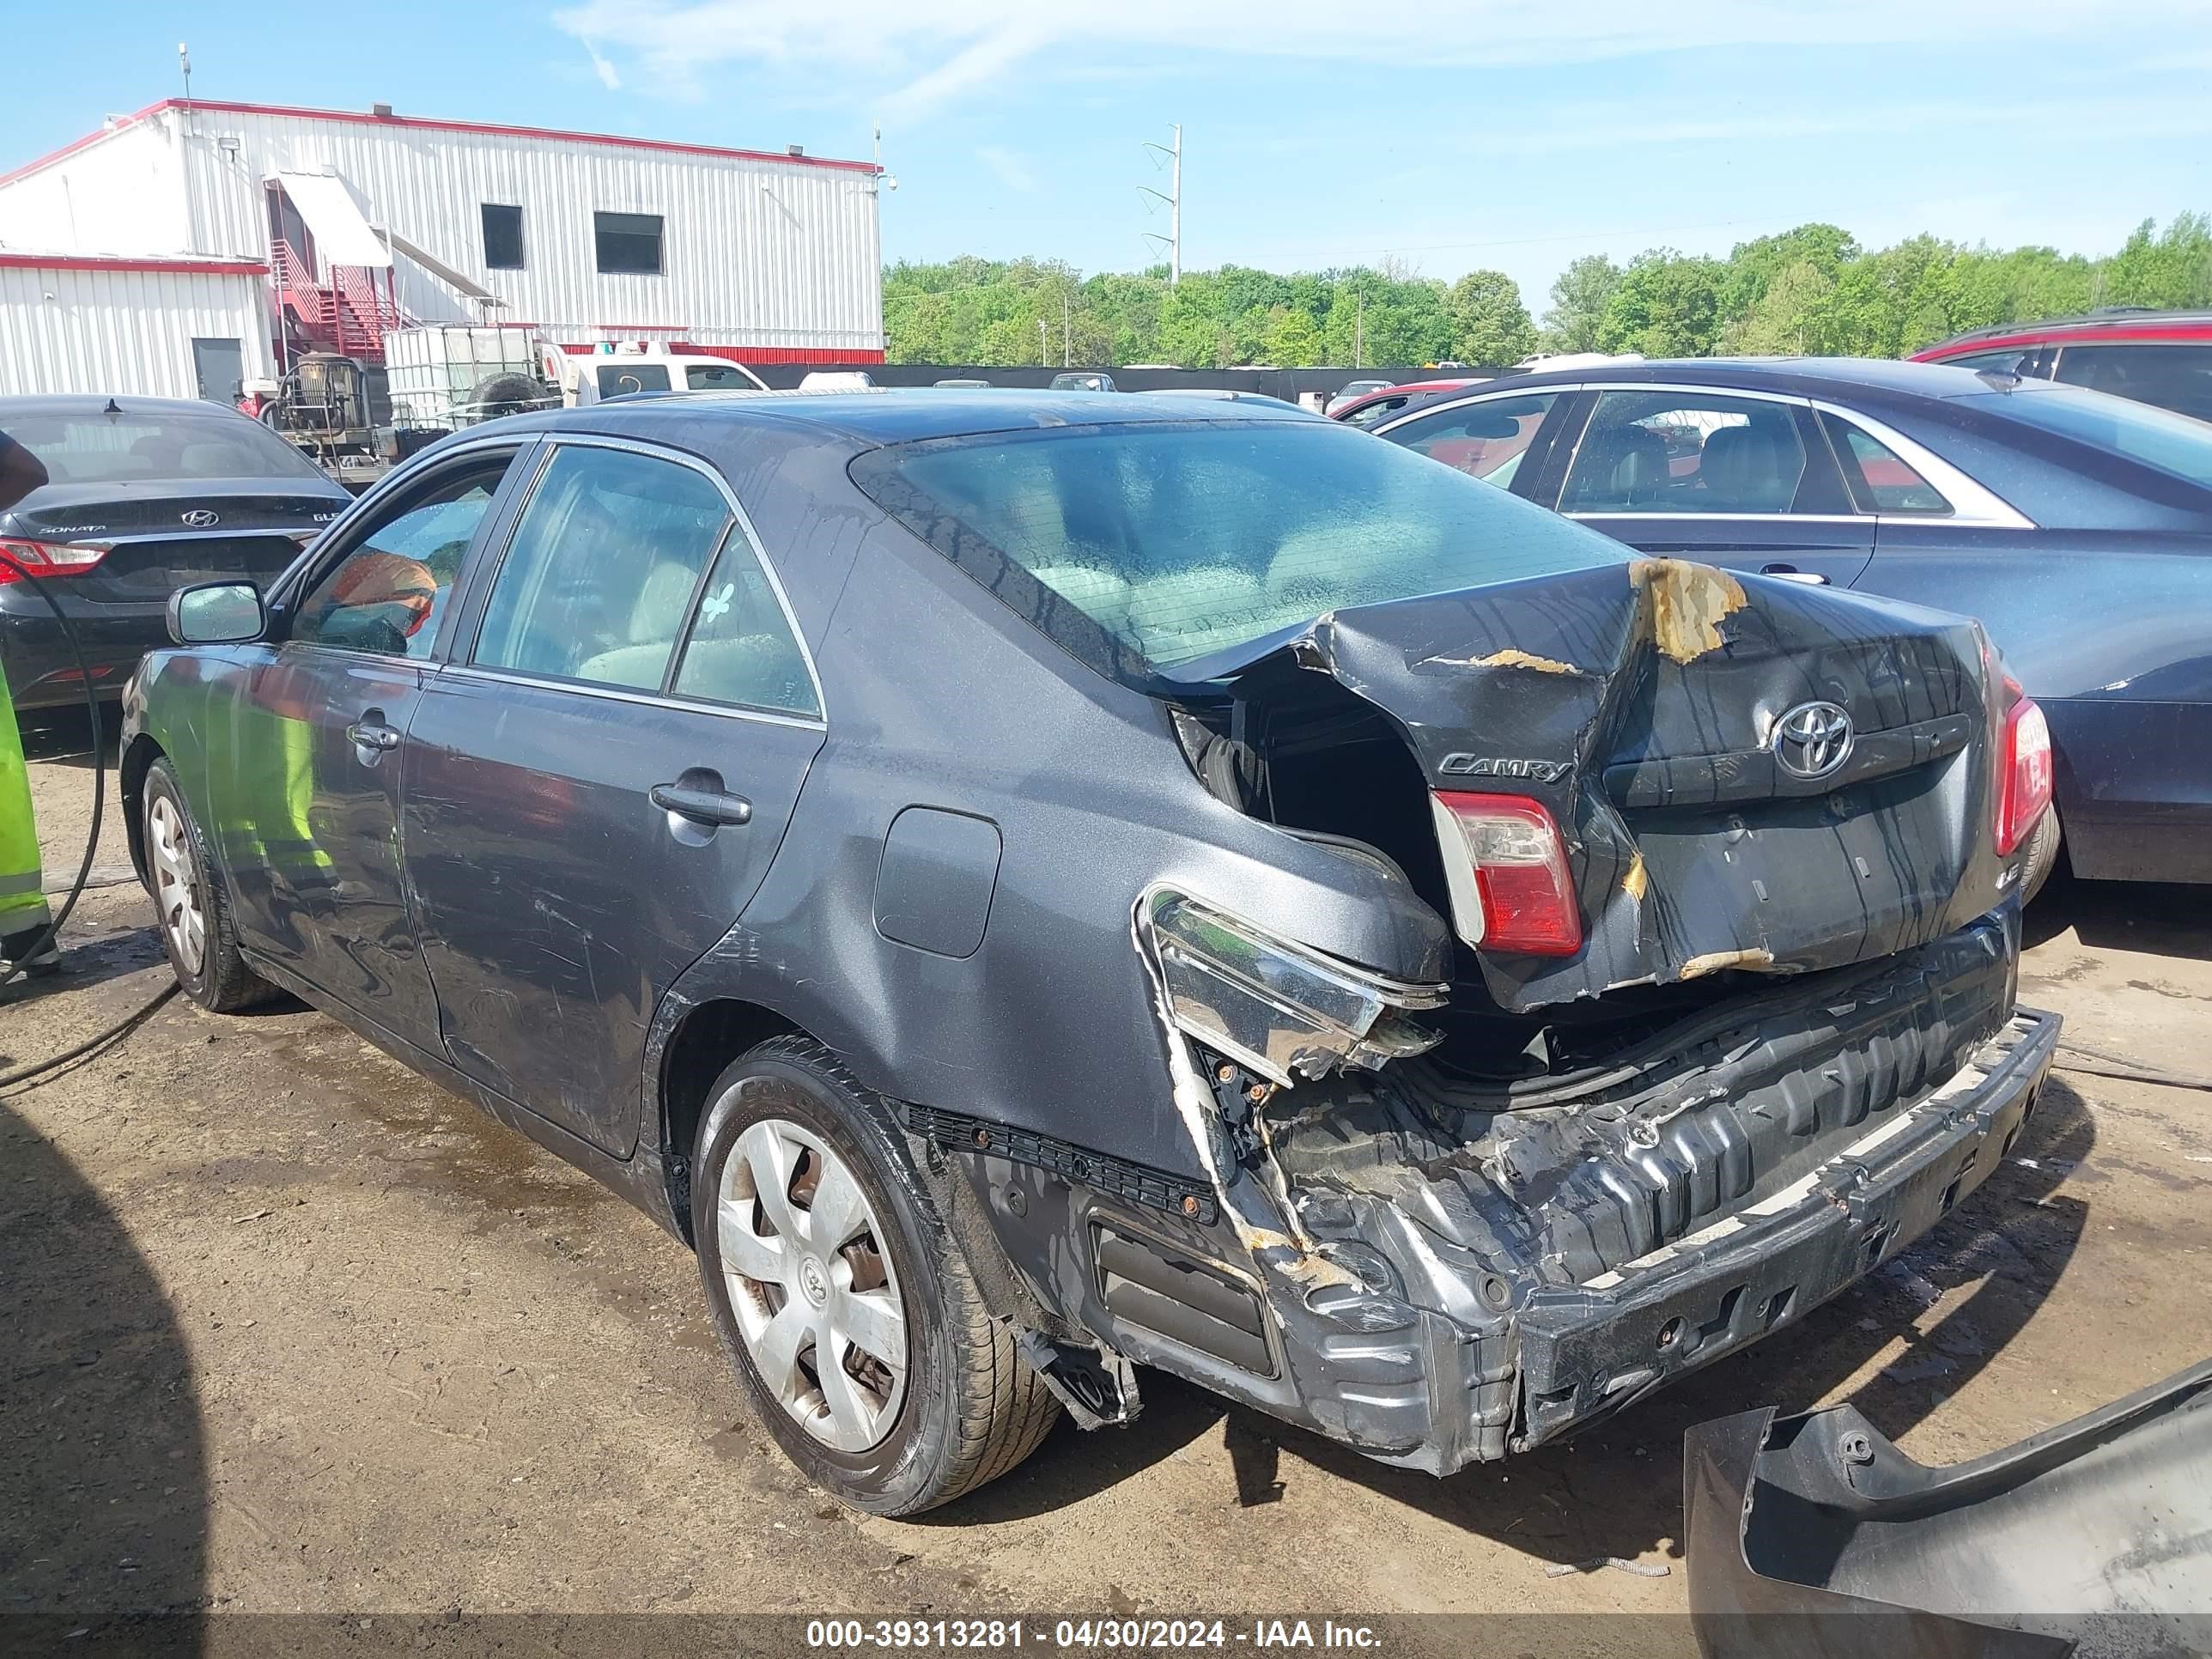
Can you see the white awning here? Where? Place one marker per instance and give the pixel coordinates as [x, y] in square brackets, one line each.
[342, 233]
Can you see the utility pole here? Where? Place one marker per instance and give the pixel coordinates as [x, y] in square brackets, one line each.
[1174, 199]
[1067, 334]
[185, 61]
[1358, 327]
[1043, 361]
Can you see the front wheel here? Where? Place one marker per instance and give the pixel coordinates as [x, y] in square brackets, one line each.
[197, 935]
[856, 1328]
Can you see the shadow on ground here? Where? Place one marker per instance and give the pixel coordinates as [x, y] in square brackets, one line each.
[2163, 918]
[103, 1464]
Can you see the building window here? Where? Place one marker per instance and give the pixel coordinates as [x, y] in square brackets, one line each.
[628, 243]
[502, 235]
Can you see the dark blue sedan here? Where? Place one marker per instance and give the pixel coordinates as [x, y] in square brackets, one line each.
[2076, 527]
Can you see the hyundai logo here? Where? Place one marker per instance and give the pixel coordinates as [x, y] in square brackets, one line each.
[201, 518]
[1812, 740]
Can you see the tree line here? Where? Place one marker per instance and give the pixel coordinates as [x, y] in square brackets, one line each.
[1813, 290]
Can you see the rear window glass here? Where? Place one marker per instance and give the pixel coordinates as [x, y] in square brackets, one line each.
[2172, 444]
[1146, 546]
[615, 379]
[137, 449]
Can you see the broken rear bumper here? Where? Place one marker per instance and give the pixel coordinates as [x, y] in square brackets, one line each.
[1467, 1383]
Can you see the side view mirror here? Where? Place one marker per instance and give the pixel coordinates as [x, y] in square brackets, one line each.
[216, 613]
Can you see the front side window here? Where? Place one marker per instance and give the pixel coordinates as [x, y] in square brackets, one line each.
[2176, 376]
[1879, 478]
[1677, 452]
[627, 244]
[1485, 440]
[502, 237]
[598, 580]
[387, 595]
[1145, 546]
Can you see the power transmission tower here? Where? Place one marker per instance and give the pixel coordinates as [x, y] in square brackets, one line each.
[1174, 199]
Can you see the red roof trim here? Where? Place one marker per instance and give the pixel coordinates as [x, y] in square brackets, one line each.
[118, 262]
[427, 124]
[2114, 333]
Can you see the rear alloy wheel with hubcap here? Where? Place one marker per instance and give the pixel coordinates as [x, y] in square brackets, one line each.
[853, 1320]
[816, 1297]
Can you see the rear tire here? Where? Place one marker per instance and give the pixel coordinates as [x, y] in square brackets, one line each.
[191, 911]
[957, 1408]
[2042, 856]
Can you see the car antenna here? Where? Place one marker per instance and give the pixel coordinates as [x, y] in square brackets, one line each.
[113, 408]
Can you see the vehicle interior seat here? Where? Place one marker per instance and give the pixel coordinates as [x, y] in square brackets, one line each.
[1621, 468]
[1752, 469]
[656, 618]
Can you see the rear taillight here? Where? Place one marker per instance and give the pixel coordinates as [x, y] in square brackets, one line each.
[47, 559]
[2023, 770]
[1507, 865]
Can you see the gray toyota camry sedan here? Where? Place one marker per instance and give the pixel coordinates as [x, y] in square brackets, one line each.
[1030, 885]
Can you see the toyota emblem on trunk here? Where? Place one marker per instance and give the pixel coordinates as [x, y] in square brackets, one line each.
[200, 518]
[1812, 740]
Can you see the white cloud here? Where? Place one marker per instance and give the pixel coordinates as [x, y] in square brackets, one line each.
[914, 55]
[1012, 172]
[609, 77]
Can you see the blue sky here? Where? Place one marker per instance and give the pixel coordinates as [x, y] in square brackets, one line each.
[1511, 134]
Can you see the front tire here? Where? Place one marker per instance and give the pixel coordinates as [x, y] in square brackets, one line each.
[190, 909]
[859, 1336]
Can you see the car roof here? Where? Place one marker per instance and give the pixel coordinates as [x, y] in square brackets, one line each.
[1861, 379]
[2113, 322]
[894, 415]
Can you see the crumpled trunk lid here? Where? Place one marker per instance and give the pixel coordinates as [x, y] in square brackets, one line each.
[1640, 704]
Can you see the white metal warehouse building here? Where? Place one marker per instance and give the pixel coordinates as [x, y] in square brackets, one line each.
[193, 244]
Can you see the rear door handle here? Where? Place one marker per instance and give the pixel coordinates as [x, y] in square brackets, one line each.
[702, 804]
[372, 734]
[1791, 573]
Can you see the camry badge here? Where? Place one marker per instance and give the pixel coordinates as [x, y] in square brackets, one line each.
[1812, 740]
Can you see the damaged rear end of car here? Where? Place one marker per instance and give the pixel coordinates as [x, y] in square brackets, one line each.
[1724, 872]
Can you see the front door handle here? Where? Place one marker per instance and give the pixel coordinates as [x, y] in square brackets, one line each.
[371, 733]
[1791, 573]
[701, 802]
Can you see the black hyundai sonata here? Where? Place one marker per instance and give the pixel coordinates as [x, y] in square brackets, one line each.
[1029, 885]
[145, 496]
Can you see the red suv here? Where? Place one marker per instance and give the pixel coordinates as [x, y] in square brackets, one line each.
[2161, 357]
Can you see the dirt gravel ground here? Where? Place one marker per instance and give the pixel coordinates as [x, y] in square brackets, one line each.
[285, 1329]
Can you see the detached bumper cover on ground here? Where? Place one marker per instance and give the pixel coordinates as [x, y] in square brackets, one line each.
[1815, 1536]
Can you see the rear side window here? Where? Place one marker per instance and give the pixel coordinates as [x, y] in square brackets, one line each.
[1484, 440]
[615, 379]
[717, 377]
[2175, 376]
[599, 576]
[1880, 480]
[1675, 451]
[2172, 443]
[741, 650]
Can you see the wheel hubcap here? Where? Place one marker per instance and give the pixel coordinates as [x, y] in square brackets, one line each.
[817, 1299]
[176, 884]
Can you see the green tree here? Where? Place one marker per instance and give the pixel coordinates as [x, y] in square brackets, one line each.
[1667, 305]
[1791, 318]
[1579, 298]
[1489, 323]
